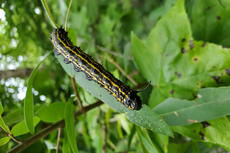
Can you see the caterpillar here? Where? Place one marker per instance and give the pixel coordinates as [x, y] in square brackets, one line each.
[93, 70]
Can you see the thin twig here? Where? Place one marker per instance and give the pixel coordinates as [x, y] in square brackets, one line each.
[77, 95]
[112, 52]
[122, 71]
[12, 137]
[49, 129]
[58, 139]
[105, 49]
[135, 72]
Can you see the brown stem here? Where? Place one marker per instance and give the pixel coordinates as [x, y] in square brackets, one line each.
[122, 71]
[58, 139]
[112, 52]
[77, 95]
[12, 137]
[106, 50]
[49, 129]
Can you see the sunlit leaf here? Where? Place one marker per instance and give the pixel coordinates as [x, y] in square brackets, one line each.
[2, 123]
[4, 140]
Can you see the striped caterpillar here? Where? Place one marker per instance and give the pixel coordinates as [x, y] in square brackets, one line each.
[93, 70]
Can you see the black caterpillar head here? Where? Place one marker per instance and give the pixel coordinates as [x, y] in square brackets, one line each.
[134, 101]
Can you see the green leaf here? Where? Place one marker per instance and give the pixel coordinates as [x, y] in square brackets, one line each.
[160, 141]
[47, 12]
[211, 103]
[175, 63]
[72, 36]
[211, 21]
[69, 123]
[178, 147]
[216, 131]
[130, 136]
[147, 142]
[4, 140]
[158, 44]
[147, 118]
[20, 128]
[2, 123]
[92, 10]
[28, 102]
[17, 115]
[66, 147]
[53, 112]
[1, 108]
[80, 27]
[95, 129]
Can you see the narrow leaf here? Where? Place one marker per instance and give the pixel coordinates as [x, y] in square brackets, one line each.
[28, 102]
[144, 137]
[1, 108]
[48, 12]
[66, 147]
[69, 123]
[2, 123]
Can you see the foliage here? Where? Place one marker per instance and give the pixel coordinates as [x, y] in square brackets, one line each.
[184, 52]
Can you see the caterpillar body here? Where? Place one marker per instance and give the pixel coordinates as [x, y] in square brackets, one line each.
[93, 70]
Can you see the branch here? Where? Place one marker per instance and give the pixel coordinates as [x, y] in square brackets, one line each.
[21, 73]
[58, 139]
[49, 129]
[122, 71]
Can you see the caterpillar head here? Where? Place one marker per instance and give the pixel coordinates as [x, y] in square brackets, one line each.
[134, 101]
